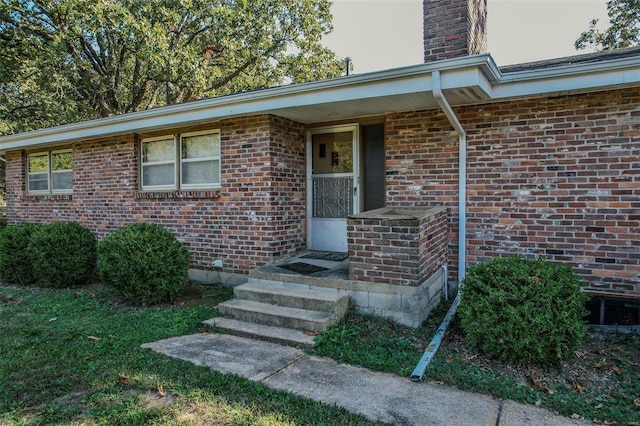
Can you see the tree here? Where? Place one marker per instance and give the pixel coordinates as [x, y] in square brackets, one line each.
[69, 60]
[624, 29]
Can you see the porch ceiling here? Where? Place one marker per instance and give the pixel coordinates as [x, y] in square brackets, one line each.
[379, 105]
[352, 109]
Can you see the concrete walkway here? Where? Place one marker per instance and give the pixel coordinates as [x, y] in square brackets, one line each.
[378, 396]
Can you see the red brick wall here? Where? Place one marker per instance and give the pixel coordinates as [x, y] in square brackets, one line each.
[258, 214]
[454, 28]
[556, 177]
[422, 167]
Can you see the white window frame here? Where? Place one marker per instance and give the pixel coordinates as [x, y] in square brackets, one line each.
[192, 160]
[178, 161]
[49, 173]
[29, 173]
[157, 163]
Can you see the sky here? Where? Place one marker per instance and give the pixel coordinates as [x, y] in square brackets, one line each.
[382, 34]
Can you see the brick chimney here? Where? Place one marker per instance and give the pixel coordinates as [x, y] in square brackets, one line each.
[454, 28]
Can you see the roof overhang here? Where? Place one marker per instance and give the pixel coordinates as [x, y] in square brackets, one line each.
[464, 81]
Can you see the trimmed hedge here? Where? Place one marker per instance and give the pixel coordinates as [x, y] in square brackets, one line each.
[144, 262]
[15, 259]
[523, 310]
[64, 254]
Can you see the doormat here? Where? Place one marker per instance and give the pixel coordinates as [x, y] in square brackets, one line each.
[326, 255]
[302, 268]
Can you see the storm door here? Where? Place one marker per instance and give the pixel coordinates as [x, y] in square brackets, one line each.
[333, 186]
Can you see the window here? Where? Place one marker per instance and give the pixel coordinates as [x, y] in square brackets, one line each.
[198, 165]
[50, 172]
[159, 164]
[200, 160]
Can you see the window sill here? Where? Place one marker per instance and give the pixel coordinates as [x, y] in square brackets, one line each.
[153, 195]
[50, 197]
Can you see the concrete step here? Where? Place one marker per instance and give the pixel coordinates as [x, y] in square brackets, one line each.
[281, 335]
[279, 316]
[294, 297]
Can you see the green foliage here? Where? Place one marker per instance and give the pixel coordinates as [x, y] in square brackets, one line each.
[15, 260]
[71, 60]
[144, 262]
[623, 31]
[523, 310]
[64, 254]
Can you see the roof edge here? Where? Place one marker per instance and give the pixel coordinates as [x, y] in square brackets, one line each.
[607, 73]
[124, 121]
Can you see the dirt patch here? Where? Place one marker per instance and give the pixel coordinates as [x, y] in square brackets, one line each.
[73, 398]
[195, 294]
[151, 400]
[604, 365]
[190, 295]
[8, 300]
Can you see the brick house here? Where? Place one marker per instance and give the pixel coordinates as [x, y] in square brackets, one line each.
[539, 158]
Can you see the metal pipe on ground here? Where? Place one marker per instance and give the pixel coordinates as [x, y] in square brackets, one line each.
[434, 344]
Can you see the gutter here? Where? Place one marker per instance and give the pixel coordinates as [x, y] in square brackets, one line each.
[462, 172]
[434, 344]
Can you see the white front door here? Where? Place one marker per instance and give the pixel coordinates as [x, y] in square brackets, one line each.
[332, 175]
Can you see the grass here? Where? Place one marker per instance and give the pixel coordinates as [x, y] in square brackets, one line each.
[376, 343]
[608, 366]
[73, 357]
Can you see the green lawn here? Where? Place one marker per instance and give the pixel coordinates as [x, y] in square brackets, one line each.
[74, 357]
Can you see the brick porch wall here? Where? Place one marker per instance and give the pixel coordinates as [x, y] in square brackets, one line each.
[397, 251]
[556, 177]
[257, 216]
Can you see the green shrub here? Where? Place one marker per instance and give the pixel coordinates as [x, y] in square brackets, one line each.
[15, 260]
[64, 254]
[144, 262]
[523, 310]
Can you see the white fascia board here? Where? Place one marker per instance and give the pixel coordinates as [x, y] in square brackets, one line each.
[411, 79]
[466, 77]
[214, 110]
[569, 79]
[363, 91]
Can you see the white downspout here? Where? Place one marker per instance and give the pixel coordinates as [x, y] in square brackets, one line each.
[462, 172]
[433, 346]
